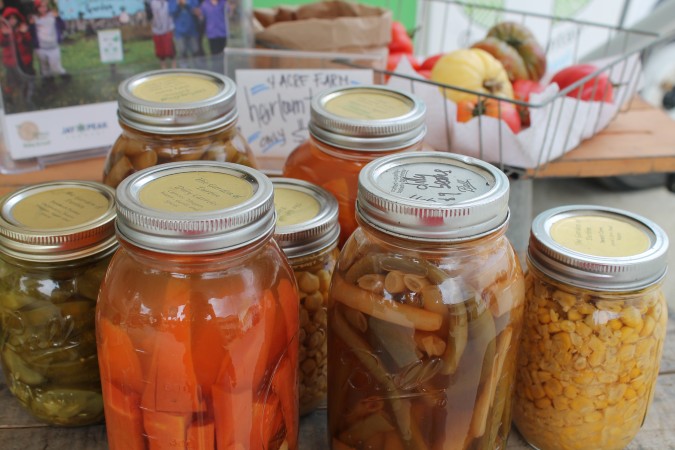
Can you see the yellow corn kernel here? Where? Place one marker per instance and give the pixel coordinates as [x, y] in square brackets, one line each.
[593, 417]
[583, 378]
[648, 328]
[615, 324]
[554, 315]
[627, 352]
[543, 403]
[632, 317]
[567, 325]
[583, 329]
[553, 388]
[586, 309]
[574, 315]
[629, 335]
[609, 305]
[538, 391]
[616, 392]
[644, 347]
[561, 404]
[544, 376]
[630, 394]
[582, 405]
[601, 404]
[608, 378]
[564, 299]
[596, 344]
[596, 358]
[544, 317]
[562, 342]
[637, 382]
[580, 364]
[553, 327]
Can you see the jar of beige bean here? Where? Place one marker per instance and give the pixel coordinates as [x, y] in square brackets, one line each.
[425, 309]
[175, 115]
[307, 231]
[595, 322]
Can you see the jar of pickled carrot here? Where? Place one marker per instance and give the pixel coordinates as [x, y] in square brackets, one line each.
[175, 115]
[307, 231]
[56, 240]
[197, 318]
[348, 128]
[595, 322]
[425, 309]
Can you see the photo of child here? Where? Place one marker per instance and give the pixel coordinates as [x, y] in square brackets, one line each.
[17, 58]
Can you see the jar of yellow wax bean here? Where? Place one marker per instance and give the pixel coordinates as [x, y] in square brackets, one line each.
[425, 309]
[307, 231]
[595, 322]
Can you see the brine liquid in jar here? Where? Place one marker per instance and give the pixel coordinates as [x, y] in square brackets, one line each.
[197, 319]
[348, 128]
[595, 323]
[307, 231]
[425, 309]
[175, 115]
[56, 240]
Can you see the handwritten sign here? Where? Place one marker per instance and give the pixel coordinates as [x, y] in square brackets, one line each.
[274, 107]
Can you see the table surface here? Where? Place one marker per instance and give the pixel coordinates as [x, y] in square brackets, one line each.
[19, 431]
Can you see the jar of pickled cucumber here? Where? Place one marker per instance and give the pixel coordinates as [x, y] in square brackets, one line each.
[425, 309]
[348, 128]
[307, 231]
[197, 319]
[175, 115]
[56, 240]
[595, 322]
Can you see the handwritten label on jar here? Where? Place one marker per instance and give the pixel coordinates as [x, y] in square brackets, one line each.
[600, 236]
[434, 183]
[294, 207]
[195, 192]
[60, 208]
[175, 88]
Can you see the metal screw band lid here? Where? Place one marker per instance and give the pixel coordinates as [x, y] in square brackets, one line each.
[58, 221]
[433, 196]
[598, 248]
[177, 101]
[307, 217]
[195, 207]
[367, 118]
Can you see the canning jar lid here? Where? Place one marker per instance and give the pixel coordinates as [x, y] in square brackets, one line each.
[58, 221]
[367, 118]
[307, 217]
[177, 101]
[433, 196]
[195, 207]
[598, 248]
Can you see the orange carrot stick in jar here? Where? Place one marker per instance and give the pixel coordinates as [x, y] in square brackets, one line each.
[285, 386]
[117, 358]
[123, 418]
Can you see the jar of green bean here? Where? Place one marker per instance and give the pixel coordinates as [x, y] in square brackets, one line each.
[56, 240]
[425, 309]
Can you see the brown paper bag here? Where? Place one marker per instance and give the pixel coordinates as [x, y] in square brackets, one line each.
[329, 26]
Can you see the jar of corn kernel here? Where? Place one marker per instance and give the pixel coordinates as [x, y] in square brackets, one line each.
[595, 322]
[307, 231]
[175, 115]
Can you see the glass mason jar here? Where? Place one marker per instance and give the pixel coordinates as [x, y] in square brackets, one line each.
[595, 322]
[307, 231]
[348, 128]
[425, 309]
[197, 319]
[175, 115]
[56, 240]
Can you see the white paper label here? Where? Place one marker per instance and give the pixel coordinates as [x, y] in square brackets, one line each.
[274, 107]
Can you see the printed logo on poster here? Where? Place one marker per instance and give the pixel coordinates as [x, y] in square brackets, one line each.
[31, 135]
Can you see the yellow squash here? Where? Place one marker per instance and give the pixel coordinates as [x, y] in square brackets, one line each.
[472, 69]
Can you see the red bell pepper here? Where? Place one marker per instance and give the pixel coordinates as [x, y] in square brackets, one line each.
[598, 88]
[400, 41]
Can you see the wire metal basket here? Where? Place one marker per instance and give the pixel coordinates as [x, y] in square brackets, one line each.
[618, 55]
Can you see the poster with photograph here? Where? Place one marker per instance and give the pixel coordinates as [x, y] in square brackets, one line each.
[62, 61]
